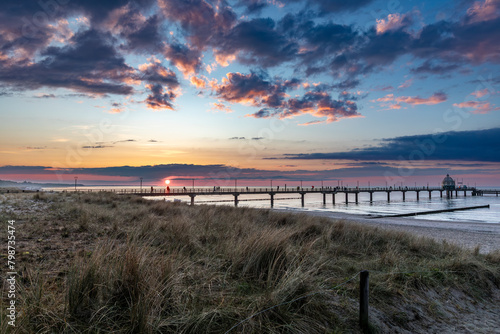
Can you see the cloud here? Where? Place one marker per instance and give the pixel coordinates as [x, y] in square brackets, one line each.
[187, 60]
[199, 19]
[435, 98]
[256, 42]
[96, 146]
[271, 94]
[221, 107]
[406, 84]
[88, 64]
[394, 21]
[481, 93]
[477, 106]
[477, 145]
[162, 84]
[45, 96]
[483, 11]
[429, 67]
[334, 6]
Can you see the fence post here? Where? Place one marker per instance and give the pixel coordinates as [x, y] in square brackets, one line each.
[363, 300]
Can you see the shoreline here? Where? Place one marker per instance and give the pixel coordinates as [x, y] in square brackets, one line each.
[465, 234]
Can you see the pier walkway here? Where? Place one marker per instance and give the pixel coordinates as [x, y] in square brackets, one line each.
[325, 191]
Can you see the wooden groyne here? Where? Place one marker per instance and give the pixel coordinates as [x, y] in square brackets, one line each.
[434, 211]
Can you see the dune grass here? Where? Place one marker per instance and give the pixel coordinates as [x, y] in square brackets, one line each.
[104, 263]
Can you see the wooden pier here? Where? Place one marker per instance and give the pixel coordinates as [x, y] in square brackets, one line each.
[236, 192]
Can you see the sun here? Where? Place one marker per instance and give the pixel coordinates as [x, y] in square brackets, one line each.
[167, 181]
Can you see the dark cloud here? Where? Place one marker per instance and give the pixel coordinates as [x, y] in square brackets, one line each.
[45, 96]
[253, 6]
[257, 42]
[160, 98]
[333, 6]
[187, 60]
[199, 19]
[161, 82]
[96, 146]
[429, 67]
[237, 138]
[89, 64]
[142, 35]
[478, 145]
[216, 173]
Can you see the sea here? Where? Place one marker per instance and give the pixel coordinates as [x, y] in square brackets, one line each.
[379, 206]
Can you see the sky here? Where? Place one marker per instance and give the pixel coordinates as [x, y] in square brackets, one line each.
[362, 91]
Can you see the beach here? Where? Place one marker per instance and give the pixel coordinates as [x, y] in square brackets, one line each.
[465, 234]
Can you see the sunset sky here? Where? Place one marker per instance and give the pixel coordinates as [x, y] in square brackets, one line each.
[254, 90]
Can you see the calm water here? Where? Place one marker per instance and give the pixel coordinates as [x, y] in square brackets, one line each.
[380, 206]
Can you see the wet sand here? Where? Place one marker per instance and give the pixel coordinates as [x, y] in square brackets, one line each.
[465, 234]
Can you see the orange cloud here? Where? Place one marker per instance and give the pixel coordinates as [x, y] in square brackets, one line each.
[221, 107]
[198, 82]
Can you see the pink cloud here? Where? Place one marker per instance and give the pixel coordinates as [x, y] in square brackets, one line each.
[481, 93]
[406, 84]
[393, 22]
[484, 11]
[436, 98]
[477, 107]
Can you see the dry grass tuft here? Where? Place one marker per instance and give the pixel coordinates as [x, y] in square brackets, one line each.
[104, 263]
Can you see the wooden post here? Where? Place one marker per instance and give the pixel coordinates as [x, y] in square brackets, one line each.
[356, 198]
[333, 198]
[363, 300]
[324, 198]
[404, 193]
[346, 197]
[302, 198]
[371, 196]
[236, 199]
[272, 199]
[192, 199]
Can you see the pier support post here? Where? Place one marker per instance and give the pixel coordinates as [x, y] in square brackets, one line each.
[429, 194]
[388, 196]
[441, 193]
[456, 193]
[302, 195]
[333, 198]
[465, 193]
[404, 196]
[418, 195]
[371, 196]
[346, 197]
[192, 198]
[272, 199]
[356, 198]
[324, 198]
[236, 199]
